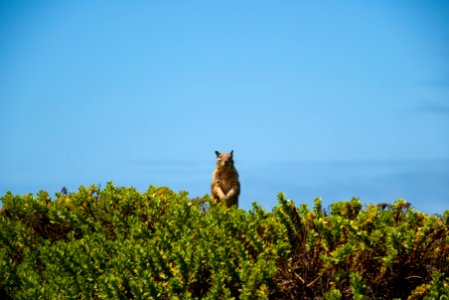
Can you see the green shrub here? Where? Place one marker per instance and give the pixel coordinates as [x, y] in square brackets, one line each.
[117, 243]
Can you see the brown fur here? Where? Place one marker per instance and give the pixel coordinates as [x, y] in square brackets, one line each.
[225, 184]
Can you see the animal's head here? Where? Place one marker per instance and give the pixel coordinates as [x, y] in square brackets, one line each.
[225, 159]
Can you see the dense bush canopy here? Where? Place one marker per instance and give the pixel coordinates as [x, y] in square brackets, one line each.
[117, 243]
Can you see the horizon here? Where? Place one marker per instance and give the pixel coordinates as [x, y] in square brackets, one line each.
[372, 182]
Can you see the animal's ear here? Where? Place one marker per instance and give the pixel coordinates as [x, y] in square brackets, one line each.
[232, 152]
[217, 153]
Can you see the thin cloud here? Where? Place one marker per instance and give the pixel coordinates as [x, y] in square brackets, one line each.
[162, 162]
[434, 107]
[441, 81]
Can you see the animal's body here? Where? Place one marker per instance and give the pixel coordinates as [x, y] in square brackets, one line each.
[225, 186]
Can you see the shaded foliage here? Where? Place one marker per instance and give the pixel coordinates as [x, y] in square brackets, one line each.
[117, 243]
[381, 252]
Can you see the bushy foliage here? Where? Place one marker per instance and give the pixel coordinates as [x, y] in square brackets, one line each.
[117, 243]
[381, 252]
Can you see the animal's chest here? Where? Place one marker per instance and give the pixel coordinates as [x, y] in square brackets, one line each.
[226, 181]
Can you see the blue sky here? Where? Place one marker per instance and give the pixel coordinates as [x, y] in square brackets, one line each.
[325, 98]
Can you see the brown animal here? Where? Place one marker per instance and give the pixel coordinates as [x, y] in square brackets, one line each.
[225, 184]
